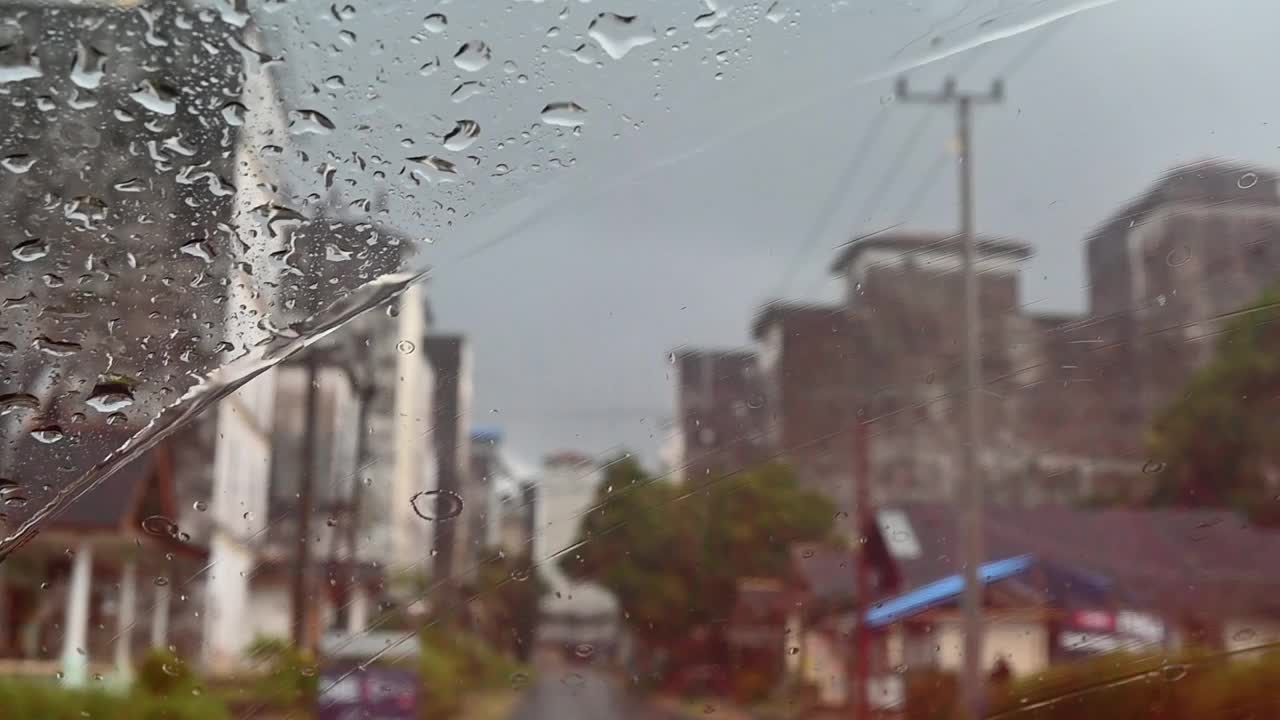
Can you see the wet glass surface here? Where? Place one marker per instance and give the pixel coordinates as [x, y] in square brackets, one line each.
[648, 359]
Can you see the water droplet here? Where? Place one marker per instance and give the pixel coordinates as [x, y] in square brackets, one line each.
[464, 133]
[1175, 672]
[335, 82]
[618, 35]
[18, 163]
[233, 114]
[1247, 180]
[1244, 635]
[170, 669]
[30, 250]
[132, 185]
[584, 650]
[200, 506]
[160, 526]
[13, 402]
[435, 23]
[154, 98]
[429, 67]
[406, 347]
[472, 56]
[89, 68]
[56, 348]
[49, 434]
[161, 581]
[519, 680]
[793, 650]
[110, 396]
[248, 516]
[15, 501]
[521, 574]
[307, 670]
[331, 521]
[708, 709]
[1151, 467]
[436, 169]
[27, 68]
[1178, 258]
[437, 504]
[466, 91]
[564, 114]
[309, 122]
[200, 249]
[776, 13]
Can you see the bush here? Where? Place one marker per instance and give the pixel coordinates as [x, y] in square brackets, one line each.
[48, 701]
[1188, 686]
[288, 676]
[164, 673]
[454, 662]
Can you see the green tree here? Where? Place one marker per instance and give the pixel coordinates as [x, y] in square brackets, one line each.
[1215, 446]
[672, 554]
[510, 590]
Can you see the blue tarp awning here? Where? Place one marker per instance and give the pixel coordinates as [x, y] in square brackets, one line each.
[942, 591]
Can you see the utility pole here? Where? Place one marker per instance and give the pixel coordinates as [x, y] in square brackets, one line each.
[973, 692]
[862, 591]
[306, 483]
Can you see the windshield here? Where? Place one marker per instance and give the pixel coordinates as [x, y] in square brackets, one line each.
[535, 359]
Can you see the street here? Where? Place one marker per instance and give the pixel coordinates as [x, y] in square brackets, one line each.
[572, 693]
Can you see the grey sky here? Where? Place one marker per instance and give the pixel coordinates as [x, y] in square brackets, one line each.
[574, 282]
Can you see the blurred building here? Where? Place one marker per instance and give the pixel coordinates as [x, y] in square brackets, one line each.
[572, 612]
[134, 175]
[720, 414]
[1061, 585]
[806, 378]
[1066, 398]
[565, 491]
[517, 518]
[486, 473]
[452, 412]
[1168, 269]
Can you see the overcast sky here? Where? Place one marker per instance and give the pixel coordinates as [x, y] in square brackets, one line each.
[685, 198]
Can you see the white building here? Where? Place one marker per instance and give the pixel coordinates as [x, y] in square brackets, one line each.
[572, 612]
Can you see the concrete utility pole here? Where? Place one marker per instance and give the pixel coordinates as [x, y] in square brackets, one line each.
[972, 690]
[300, 583]
[864, 520]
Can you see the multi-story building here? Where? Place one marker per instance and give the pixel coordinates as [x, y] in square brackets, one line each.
[805, 373]
[517, 517]
[720, 414]
[1066, 399]
[487, 473]
[572, 612]
[134, 177]
[1200, 244]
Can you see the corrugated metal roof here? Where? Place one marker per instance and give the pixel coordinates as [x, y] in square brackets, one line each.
[943, 591]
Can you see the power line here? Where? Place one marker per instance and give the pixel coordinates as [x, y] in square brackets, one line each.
[832, 202]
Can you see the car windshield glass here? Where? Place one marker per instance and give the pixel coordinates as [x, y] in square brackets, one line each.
[572, 358]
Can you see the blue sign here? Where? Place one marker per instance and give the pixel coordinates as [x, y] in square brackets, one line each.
[375, 693]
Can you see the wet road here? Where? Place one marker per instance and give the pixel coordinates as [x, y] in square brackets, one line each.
[581, 694]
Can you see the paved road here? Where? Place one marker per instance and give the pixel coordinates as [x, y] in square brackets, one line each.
[580, 694]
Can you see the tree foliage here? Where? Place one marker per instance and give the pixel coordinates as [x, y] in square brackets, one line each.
[1216, 443]
[511, 591]
[672, 553]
